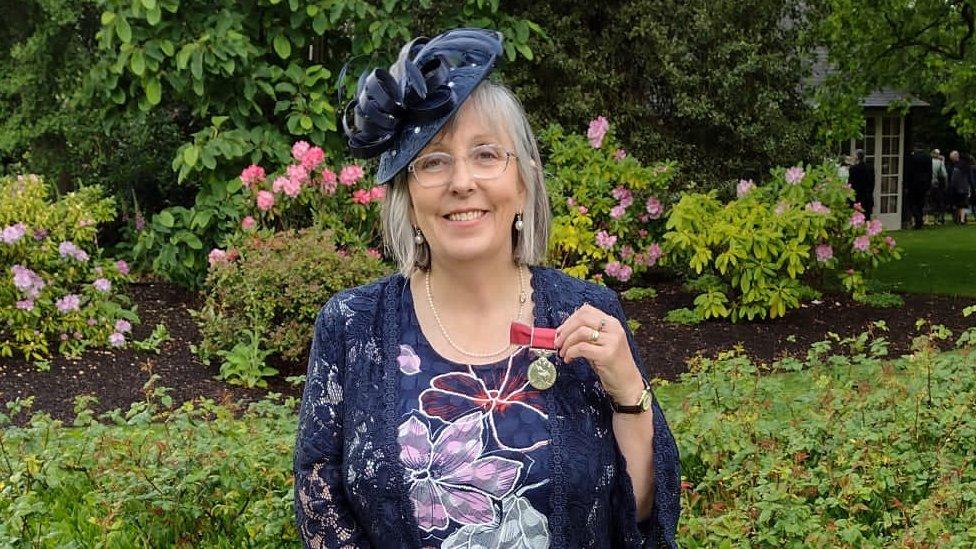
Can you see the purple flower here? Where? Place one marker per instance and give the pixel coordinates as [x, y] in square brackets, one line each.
[102, 285]
[605, 240]
[597, 130]
[68, 249]
[619, 271]
[874, 227]
[744, 187]
[27, 281]
[818, 208]
[794, 175]
[12, 233]
[70, 302]
[116, 339]
[122, 266]
[862, 243]
[824, 253]
[217, 256]
[653, 254]
[408, 360]
[623, 194]
[26, 305]
[122, 325]
[857, 219]
[626, 252]
[654, 207]
[449, 477]
[618, 211]
[619, 155]
[40, 234]
[890, 242]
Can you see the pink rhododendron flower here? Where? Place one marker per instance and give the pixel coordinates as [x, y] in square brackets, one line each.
[292, 187]
[781, 208]
[217, 256]
[13, 233]
[824, 253]
[329, 178]
[654, 207]
[27, 281]
[63, 337]
[862, 243]
[265, 201]
[644, 218]
[296, 172]
[247, 223]
[233, 254]
[626, 252]
[85, 222]
[744, 187]
[77, 334]
[890, 242]
[583, 210]
[377, 193]
[858, 207]
[116, 339]
[570, 202]
[68, 249]
[794, 175]
[92, 322]
[619, 154]
[122, 325]
[874, 227]
[25, 305]
[299, 149]
[857, 219]
[102, 285]
[605, 240]
[618, 211]
[122, 266]
[374, 253]
[361, 196]
[818, 208]
[252, 175]
[623, 195]
[619, 271]
[642, 232]
[39, 234]
[279, 184]
[597, 130]
[350, 175]
[653, 253]
[70, 302]
[313, 157]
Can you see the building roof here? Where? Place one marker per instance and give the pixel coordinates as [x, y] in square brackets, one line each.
[883, 97]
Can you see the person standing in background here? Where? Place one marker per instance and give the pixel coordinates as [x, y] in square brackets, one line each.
[917, 183]
[937, 194]
[960, 188]
[861, 179]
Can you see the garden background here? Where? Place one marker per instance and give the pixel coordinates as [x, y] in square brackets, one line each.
[177, 205]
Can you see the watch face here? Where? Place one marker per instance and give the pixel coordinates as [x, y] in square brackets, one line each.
[645, 401]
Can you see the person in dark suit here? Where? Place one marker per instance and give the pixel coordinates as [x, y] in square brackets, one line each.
[918, 179]
[861, 179]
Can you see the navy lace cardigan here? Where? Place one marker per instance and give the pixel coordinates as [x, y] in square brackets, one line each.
[349, 482]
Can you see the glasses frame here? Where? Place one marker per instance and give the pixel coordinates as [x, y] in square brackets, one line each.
[509, 155]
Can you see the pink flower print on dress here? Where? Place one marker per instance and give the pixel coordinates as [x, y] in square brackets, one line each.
[504, 396]
[408, 360]
[449, 478]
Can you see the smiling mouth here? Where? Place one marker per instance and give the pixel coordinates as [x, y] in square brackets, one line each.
[465, 216]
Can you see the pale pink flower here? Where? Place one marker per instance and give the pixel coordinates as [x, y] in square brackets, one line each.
[618, 211]
[102, 285]
[862, 243]
[644, 218]
[27, 281]
[299, 149]
[374, 253]
[597, 130]
[874, 227]
[818, 208]
[619, 271]
[583, 210]
[70, 302]
[313, 157]
[39, 234]
[642, 232]
[361, 196]
[857, 219]
[744, 187]
[781, 208]
[297, 172]
[252, 175]
[116, 339]
[279, 184]
[619, 154]
[623, 195]
[247, 223]
[890, 242]
[92, 322]
[605, 240]
[794, 175]
[824, 253]
[292, 187]
[123, 325]
[350, 175]
[329, 181]
[63, 337]
[217, 256]
[626, 252]
[570, 202]
[26, 305]
[653, 253]
[265, 201]
[68, 249]
[85, 222]
[377, 193]
[858, 207]
[13, 233]
[122, 266]
[654, 207]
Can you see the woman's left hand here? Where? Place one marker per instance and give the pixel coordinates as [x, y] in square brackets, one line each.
[608, 352]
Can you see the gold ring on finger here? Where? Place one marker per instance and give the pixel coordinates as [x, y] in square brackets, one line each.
[603, 324]
[594, 335]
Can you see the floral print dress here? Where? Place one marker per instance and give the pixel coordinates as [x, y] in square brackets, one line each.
[474, 443]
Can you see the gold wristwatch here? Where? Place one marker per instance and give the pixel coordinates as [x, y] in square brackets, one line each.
[643, 404]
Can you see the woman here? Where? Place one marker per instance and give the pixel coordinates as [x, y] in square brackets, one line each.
[960, 187]
[422, 424]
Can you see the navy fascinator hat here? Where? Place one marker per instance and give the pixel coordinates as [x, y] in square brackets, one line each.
[397, 112]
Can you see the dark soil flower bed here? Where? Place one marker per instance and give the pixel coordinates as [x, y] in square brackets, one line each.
[116, 377]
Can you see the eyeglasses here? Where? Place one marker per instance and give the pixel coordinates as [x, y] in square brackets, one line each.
[484, 162]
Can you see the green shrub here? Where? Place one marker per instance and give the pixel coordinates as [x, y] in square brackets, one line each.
[608, 208]
[684, 315]
[200, 475]
[637, 293]
[263, 295]
[55, 285]
[760, 251]
[881, 300]
[851, 451]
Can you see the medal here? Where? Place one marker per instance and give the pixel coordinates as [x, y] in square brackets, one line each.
[541, 342]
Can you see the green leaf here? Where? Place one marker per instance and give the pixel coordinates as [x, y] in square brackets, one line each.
[154, 91]
[190, 155]
[154, 16]
[306, 123]
[107, 18]
[166, 219]
[149, 4]
[319, 24]
[167, 48]
[196, 65]
[525, 50]
[282, 46]
[123, 30]
[137, 63]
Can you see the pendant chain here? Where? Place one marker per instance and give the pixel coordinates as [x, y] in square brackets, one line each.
[518, 316]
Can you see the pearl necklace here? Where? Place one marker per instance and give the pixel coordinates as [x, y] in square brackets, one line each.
[518, 316]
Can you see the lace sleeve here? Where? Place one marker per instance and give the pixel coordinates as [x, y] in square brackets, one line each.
[660, 529]
[324, 517]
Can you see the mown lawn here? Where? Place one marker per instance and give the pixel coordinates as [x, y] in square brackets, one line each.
[935, 260]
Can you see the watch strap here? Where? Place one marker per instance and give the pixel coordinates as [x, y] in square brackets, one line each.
[643, 404]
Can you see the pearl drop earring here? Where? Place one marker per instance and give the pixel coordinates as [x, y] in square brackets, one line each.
[418, 236]
[518, 222]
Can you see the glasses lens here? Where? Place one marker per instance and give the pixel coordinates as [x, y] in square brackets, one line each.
[433, 169]
[488, 161]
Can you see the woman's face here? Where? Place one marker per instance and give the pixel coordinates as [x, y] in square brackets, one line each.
[491, 204]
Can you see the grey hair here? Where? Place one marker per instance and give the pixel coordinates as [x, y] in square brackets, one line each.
[500, 107]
